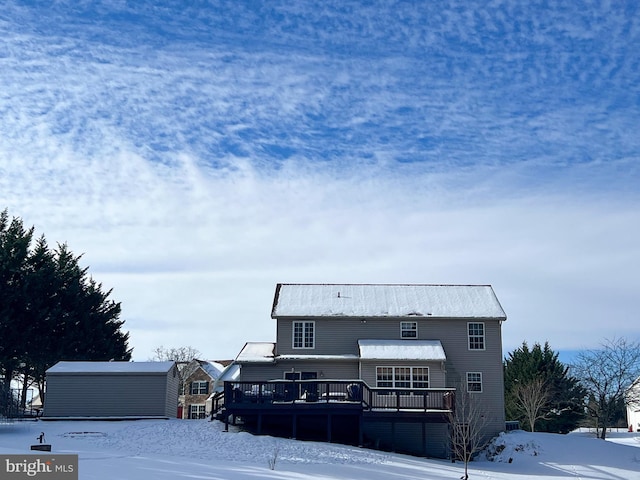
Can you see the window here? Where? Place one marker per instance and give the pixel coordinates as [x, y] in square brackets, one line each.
[476, 336]
[474, 382]
[420, 377]
[384, 377]
[303, 334]
[196, 411]
[409, 329]
[402, 377]
[199, 388]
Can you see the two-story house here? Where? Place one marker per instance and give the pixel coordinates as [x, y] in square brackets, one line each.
[199, 377]
[376, 365]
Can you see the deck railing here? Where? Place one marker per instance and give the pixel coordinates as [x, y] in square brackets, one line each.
[315, 391]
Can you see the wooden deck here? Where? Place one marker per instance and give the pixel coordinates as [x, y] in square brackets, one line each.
[326, 407]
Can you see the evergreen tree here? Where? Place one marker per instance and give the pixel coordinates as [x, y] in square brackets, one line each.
[564, 406]
[43, 291]
[50, 308]
[14, 251]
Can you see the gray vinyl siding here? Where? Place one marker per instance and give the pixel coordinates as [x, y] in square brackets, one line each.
[408, 438]
[336, 336]
[111, 395]
[461, 360]
[339, 336]
[327, 370]
[172, 391]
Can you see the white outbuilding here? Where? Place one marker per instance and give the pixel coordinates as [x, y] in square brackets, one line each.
[633, 406]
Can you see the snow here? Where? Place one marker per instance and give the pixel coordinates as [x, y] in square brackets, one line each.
[110, 367]
[401, 350]
[188, 449]
[433, 301]
[345, 356]
[213, 369]
[257, 352]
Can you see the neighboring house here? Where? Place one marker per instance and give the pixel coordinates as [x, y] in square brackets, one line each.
[111, 390]
[633, 406]
[373, 364]
[198, 384]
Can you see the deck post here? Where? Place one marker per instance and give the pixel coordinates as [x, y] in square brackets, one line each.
[294, 426]
[328, 428]
[393, 435]
[259, 426]
[360, 428]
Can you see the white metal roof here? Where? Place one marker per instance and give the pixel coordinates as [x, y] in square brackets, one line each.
[110, 367]
[256, 352]
[368, 300]
[401, 350]
[213, 369]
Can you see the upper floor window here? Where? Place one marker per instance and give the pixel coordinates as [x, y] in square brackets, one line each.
[199, 387]
[304, 335]
[474, 382]
[408, 329]
[476, 336]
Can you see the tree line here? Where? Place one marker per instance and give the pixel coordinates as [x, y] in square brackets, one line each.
[545, 395]
[51, 309]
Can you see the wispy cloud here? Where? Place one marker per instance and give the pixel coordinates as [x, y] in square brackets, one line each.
[200, 155]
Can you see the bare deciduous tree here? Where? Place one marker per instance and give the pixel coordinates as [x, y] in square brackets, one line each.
[532, 398]
[467, 422]
[176, 354]
[607, 374]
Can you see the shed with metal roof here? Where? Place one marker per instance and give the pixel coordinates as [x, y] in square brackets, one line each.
[111, 390]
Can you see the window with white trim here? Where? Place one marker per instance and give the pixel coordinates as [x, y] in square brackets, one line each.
[384, 377]
[402, 377]
[420, 377]
[304, 335]
[474, 382]
[197, 411]
[199, 387]
[476, 336]
[408, 329]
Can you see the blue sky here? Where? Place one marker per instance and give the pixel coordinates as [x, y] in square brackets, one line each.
[199, 152]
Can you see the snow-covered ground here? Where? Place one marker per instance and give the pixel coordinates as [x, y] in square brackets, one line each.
[199, 449]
